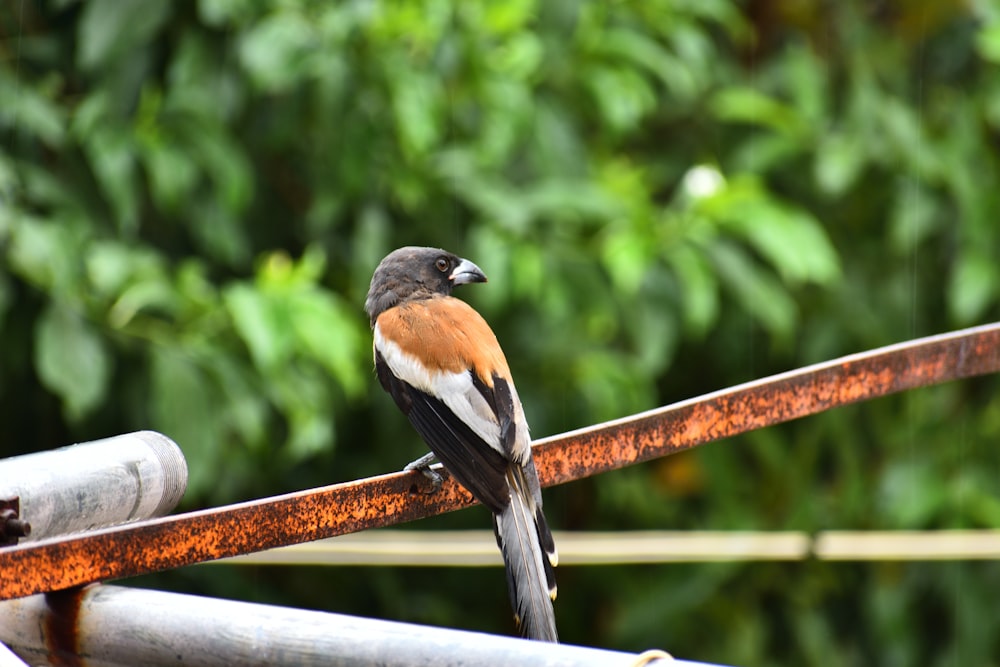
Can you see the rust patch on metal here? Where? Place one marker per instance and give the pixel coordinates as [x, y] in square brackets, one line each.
[62, 627]
[184, 539]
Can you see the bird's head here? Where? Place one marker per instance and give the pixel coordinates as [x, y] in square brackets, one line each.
[416, 273]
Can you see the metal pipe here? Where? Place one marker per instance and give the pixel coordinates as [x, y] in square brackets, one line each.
[154, 628]
[95, 484]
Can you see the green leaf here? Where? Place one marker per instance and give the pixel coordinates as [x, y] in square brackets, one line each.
[185, 405]
[133, 278]
[839, 160]
[756, 292]
[303, 397]
[911, 494]
[915, 215]
[275, 51]
[740, 104]
[246, 408]
[111, 151]
[30, 109]
[45, 253]
[626, 257]
[172, 178]
[988, 42]
[221, 234]
[109, 29]
[262, 323]
[974, 286]
[224, 161]
[504, 17]
[622, 95]
[415, 102]
[329, 334]
[700, 289]
[72, 361]
[790, 238]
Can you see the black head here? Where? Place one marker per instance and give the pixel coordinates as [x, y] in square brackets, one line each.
[417, 273]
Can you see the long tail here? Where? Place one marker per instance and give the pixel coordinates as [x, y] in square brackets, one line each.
[529, 556]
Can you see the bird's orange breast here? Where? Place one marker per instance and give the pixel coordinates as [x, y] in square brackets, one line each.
[445, 334]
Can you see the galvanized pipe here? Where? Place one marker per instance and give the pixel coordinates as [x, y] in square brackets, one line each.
[111, 626]
[95, 484]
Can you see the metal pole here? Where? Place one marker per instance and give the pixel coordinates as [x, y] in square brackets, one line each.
[95, 484]
[111, 626]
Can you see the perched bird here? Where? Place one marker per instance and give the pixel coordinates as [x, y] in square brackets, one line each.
[444, 368]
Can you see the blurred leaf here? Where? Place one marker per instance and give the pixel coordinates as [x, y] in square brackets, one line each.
[276, 50]
[112, 157]
[700, 288]
[915, 216]
[509, 16]
[418, 118]
[988, 42]
[224, 162]
[746, 105]
[623, 96]
[521, 56]
[111, 265]
[325, 330]
[305, 403]
[910, 495]
[44, 253]
[626, 256]
[185, 406]
[109, 28]
[756, 292]
[262, 323]
[790, 238]
[30, 109]
[974, 286]
[840, 158]
[71, 361]
[172, 178]
[807, 83]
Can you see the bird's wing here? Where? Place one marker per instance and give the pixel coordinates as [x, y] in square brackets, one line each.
[476, 465]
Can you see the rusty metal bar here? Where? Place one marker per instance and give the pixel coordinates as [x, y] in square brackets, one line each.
[184, 539]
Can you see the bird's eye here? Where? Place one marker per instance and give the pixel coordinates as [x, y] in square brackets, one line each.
[442, 264]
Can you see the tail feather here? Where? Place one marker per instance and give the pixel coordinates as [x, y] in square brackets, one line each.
[548, 546]
[529, 556]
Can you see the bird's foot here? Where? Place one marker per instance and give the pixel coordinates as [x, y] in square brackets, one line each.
[423, 465]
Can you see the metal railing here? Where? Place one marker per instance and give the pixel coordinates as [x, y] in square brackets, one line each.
[163, 543]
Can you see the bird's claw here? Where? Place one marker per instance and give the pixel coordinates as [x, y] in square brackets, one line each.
[423, 465]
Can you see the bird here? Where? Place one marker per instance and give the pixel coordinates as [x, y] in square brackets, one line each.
[444, 368]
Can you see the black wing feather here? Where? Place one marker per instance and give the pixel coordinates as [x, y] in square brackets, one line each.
[500, 400]
[478, 467]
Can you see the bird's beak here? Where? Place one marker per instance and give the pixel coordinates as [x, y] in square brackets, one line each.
[467, 272]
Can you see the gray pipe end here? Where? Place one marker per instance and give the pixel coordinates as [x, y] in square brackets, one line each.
[175, 471]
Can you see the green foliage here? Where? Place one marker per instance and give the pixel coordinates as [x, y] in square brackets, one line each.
[669, 198]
